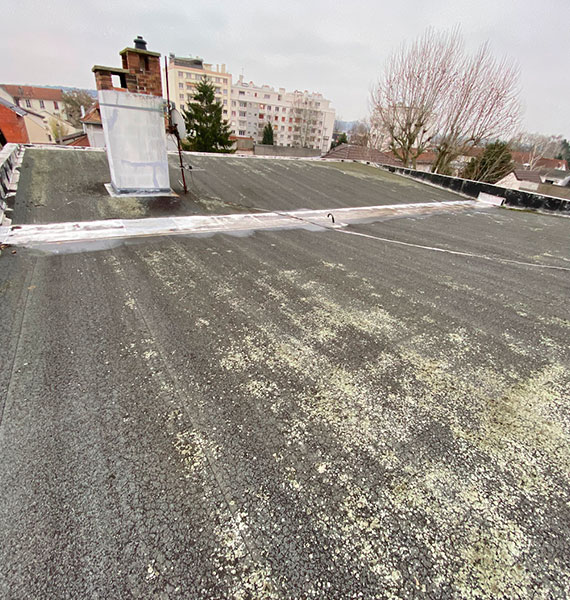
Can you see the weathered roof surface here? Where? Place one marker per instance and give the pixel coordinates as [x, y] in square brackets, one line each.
[353, 152]
[217, 185]
[366, 412]
[34, 92]
[523, 175]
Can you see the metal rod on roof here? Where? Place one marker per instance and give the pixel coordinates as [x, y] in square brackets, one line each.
[173, 128]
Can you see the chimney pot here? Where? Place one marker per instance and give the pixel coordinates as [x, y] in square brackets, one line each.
[140, 44]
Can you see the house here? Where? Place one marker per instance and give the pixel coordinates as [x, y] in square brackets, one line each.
[519, 179]
[93, 127]
[47, 103]
[556, 177]
[21, 126]
[524, 159]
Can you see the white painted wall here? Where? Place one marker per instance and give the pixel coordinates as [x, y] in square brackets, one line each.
[135, 137]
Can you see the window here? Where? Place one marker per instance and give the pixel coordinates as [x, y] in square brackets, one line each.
[55, 105]
[225, 91]
[29, 104]
[225, 102]
[217, 79]
[218, 90]
[233, 102]
[233, 113]
[180, 73]
[42, 105]
[242, 93]
[242, 113]
[181, 86]
[267, 96]
[269, 108]
[243, 104]
[225, 111]
[241, 132]
[188, 75]
[283, 119]
[276, 109]
[261, 115]
[181, 96]
[277, 118]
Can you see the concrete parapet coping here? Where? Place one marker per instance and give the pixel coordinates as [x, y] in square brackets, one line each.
[512, 198]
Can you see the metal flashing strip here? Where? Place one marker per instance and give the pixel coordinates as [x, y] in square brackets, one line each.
[59, 233]
[132, 107]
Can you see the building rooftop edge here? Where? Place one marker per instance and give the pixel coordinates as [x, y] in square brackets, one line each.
[139, 51]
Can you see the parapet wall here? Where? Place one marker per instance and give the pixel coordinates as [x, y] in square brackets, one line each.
[515, 198]
[269, 150]
[9, 160]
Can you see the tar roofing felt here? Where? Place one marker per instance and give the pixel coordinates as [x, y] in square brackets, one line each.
[378, 411]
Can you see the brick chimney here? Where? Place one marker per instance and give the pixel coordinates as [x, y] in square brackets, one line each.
[140, 72]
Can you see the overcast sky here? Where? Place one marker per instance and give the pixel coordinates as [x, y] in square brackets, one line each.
[336, 48]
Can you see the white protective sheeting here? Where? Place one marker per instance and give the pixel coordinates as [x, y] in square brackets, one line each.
[135, 137]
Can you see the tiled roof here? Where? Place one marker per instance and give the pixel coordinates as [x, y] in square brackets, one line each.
[532, 176]
[352, 152]
[34, 93]
[523, 158]
[93, 115]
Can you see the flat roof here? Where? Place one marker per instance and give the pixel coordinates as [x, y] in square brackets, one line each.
[376, 410]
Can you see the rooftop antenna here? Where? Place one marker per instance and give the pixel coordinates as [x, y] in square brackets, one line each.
[172, 128]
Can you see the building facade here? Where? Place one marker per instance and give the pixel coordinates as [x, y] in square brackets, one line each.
[298, 119]
[185, 73]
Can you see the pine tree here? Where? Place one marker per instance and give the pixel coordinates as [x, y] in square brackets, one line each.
[267, 135]
[207, 131]
[495, 162]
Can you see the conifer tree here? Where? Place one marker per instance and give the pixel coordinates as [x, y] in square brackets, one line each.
[267, 135]
[492, 165]
[207, 131]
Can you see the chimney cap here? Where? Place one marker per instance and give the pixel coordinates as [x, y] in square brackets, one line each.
[140, 43]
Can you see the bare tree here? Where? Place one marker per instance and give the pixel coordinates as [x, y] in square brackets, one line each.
[409, 95]
[360, 133]
[538, 146]
[432, 93]
[57, 129]
[306, 119]
[482, 104]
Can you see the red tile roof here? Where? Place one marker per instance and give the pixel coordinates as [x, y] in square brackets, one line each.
[352, 152]
[93, 115]
[80, 141]
[34, 93]
[523, 158]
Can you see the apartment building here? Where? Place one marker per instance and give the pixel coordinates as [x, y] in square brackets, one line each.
[185, 73]
[298, 118]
